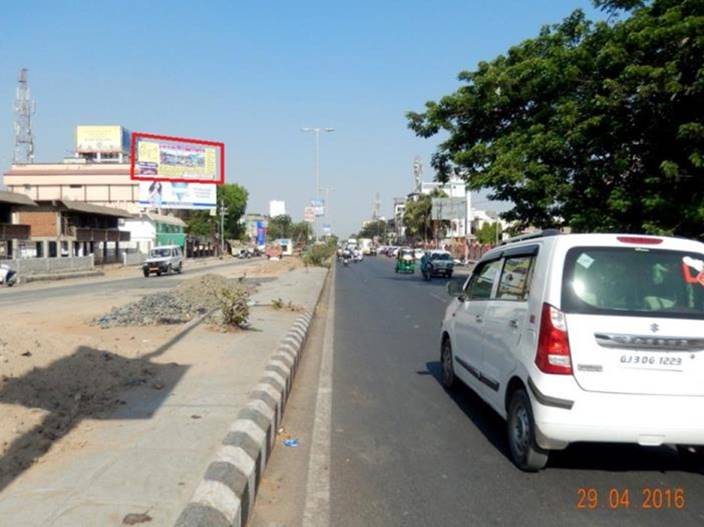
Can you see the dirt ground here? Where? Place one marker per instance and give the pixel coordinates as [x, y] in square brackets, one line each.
[56, 367]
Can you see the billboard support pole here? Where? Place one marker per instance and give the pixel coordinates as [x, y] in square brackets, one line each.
[222, 229]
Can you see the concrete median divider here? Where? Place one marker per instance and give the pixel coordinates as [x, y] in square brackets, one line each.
[225, 495]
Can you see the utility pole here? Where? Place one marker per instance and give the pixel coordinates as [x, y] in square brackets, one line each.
[328, 215]
[222, 228]
[25, 107]
[317, 131]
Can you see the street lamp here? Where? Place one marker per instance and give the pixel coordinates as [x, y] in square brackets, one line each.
[317, 131]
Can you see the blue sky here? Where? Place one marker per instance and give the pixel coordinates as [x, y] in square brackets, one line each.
[252, 74]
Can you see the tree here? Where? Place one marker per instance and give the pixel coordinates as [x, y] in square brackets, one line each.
[301, 232]
[201, 224]
[417, 218]
[489, 233]
[279, 227]
[598, 126]
[234, 199]
[373, 229]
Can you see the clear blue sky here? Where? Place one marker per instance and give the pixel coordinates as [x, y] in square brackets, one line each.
[252, 74]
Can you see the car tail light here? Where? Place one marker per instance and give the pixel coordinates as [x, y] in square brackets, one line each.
[640, 240]
[553, 343]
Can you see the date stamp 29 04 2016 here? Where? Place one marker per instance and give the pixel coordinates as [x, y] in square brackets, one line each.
[647, 498]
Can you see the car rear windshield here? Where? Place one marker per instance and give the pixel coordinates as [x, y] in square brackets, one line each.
[160, 253]
[442, 256]
[633, 282]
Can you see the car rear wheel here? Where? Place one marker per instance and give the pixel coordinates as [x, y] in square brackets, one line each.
[691, 455]
[448, 368]
[521, 434]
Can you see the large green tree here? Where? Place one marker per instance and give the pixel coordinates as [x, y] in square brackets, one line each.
[598, 126]
[279, 227]
[376, 228]
[234, 199]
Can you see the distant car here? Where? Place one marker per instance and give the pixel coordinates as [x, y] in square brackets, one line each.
[163, 259]
[418, 253]
[584, 338]
[437, 263]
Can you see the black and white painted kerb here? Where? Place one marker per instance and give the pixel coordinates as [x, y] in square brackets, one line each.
[225, 496]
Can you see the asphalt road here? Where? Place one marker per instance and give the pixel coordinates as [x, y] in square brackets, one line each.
[406, 452]
[105, 285]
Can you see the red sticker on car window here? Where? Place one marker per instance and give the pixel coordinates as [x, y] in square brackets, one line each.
[693, 270]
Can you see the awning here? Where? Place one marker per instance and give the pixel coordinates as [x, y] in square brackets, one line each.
[168, 220]
[89, 208]
[14, 198]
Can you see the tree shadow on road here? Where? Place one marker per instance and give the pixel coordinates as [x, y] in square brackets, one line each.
[89, 383]
[609, 457]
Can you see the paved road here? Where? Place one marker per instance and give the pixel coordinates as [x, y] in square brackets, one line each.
[105, 285]
[405, 452]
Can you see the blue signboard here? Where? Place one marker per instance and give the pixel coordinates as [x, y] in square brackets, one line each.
[261, 233]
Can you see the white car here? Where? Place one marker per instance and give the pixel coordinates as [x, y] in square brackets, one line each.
[418, 253]
[584, 337]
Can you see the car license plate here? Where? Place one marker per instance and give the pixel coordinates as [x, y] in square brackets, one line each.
[651, 360]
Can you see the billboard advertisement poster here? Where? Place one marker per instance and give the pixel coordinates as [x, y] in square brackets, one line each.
[309, 214]
[169, 195]
[449, 208]
[261, 233]
[104, 139]
[176, 159]
[318, 206]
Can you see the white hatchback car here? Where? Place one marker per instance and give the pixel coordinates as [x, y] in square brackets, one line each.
[584, 337]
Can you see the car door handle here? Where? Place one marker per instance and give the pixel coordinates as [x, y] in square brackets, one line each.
[513, 323]
[478, 318]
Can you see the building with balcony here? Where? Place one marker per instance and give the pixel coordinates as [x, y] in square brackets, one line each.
[13, 235]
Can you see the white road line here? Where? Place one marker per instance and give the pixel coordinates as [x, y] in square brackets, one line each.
[443, 300]
[317, 506]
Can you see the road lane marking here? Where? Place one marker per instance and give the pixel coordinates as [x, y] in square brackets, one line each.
[316, 512]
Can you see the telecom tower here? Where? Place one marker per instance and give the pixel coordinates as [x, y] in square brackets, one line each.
[376, 207]
[418, 172]
[25, 107]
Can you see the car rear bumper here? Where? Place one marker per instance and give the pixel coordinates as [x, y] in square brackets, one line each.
[648, 420]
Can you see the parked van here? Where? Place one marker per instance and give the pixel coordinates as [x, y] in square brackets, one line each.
[584, 337]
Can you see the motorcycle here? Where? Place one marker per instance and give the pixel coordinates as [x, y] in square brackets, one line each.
[7, 276]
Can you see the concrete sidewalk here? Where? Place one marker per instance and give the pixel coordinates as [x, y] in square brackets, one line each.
[148, 455]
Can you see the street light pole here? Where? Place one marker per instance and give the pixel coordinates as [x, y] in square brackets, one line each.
[317, 131]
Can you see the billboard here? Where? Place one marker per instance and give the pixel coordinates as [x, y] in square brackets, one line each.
[449, 209]
[318, 206]
[176, 159]
[309, 214]
[261, 233]
[171, 195]
[92, 139]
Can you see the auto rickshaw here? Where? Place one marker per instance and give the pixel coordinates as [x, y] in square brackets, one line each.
[405, 261]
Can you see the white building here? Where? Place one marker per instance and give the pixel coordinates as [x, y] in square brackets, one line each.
[149, 230]
[277, 208]
[460, 227]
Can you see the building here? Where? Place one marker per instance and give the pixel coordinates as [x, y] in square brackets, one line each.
[13, 235]
[64, 228]
[148, 230]
[456, 188]
[277, 208]
[104, 184]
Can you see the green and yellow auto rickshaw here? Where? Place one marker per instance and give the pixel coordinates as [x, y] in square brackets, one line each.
[405, 261]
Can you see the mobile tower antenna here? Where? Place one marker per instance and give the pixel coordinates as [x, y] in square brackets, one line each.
[25, 107]
[376, 207]
[417, 172]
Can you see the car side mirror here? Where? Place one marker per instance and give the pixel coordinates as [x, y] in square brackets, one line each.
[454, 289]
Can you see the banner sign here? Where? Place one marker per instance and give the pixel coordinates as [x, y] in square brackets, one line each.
[168, 195]
[318, 206]
[176, 159]
[309, 214]
[449, 208]
[261, 233]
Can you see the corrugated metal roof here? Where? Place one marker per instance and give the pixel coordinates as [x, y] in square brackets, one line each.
[90, 208]
[15, 198]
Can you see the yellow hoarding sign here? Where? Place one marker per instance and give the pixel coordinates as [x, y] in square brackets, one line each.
[93, 139]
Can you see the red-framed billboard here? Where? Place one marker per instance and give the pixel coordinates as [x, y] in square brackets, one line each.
[177, 159]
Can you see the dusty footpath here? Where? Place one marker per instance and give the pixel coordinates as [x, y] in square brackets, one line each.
[97, 423]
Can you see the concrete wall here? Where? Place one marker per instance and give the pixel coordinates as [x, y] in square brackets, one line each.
[34, 266]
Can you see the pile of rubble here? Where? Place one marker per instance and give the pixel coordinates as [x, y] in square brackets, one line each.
[189, 299]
